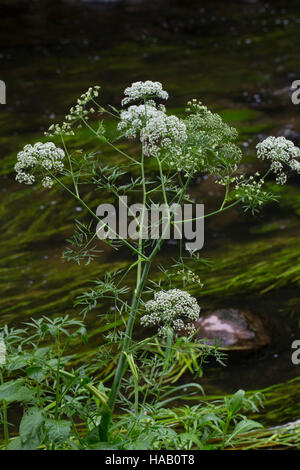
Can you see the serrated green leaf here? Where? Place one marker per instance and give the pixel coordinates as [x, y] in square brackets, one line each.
[10, 388]
[18, 362]
[57, 431]
[35, 373]
[15, 444]
[31, 429]
[24, 395]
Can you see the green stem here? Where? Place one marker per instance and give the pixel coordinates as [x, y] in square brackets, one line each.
[103, 139]
[218, 211]
[225, 197]
[225, 430]
[4, 408]
[122, 364]
[141, 225]
[94, 215]
[58, 397]
[70, 165]
[81, 442]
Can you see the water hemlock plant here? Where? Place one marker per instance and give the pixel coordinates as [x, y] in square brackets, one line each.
[178, 148]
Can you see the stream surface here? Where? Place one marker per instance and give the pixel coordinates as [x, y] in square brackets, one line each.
[239, 58]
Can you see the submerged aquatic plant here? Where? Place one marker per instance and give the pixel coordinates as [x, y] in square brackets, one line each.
[180, 148]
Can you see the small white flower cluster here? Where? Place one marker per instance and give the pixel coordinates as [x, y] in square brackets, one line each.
[280, 151]
[209, 126]
[76, 113]
[184, 158]
[143, 91]
[163, 132]
[189, 276]
[2, 352]
[210, 146]
[174, 309]
[39, 158]
[250, 192]
[159, 133]
[277, 168]
[250, 185]
[47, 182]
[136, 117]
[60, 129]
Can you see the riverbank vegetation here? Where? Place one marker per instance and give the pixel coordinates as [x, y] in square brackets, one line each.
[128, 396]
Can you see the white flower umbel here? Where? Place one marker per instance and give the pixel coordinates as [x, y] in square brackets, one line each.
[36, 160]
[2, 352]
[189, 276]
[174, 309]
[295, 165]
[161, 133]
[141, 91]
[280, 151]
[47, 182]
[136, 117]
[76, 113]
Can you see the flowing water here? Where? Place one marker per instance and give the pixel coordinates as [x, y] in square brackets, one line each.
[240, 59]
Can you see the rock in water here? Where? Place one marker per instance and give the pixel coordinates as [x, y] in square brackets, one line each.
[233, 329]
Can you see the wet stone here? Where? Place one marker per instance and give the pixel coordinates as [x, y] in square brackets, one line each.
[233, 329]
